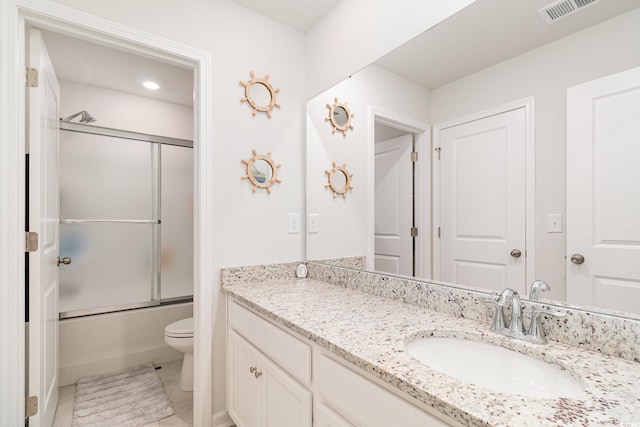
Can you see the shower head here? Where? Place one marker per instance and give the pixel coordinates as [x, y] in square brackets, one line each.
[86, 117]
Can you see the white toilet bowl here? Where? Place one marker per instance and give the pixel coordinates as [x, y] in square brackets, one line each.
[179, 335]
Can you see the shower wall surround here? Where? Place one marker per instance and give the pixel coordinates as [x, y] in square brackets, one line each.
[609, 335]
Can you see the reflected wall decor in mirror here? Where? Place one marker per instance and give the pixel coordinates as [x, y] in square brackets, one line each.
[339, 180]
[496, 68]
[339, 117]
[262, 171]
[260, 94]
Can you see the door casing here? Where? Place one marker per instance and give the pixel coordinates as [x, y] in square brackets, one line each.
[423, 183]
[15, 16]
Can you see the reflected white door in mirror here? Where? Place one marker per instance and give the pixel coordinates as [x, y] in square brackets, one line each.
[603, 200]
[394, 198]
[482, 201]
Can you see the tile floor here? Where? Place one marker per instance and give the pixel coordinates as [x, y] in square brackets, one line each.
[182, 401]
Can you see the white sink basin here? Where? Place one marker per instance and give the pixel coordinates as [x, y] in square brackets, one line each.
[494, 368]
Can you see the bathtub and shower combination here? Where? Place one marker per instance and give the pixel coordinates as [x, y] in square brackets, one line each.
[126, 243]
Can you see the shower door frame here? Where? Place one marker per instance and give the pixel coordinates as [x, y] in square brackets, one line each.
[155, 298]
[14, 17]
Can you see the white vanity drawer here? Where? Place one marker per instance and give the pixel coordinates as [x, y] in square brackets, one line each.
[291, 354]
[362, 402]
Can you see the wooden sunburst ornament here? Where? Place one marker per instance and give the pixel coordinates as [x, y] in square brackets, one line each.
[262, 171]
[339, 117]
[337, 189]
[268, 86]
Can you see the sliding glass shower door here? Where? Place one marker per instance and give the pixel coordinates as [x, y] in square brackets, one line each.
[112, 225]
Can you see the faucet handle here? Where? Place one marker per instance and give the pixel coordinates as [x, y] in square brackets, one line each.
[535, 332]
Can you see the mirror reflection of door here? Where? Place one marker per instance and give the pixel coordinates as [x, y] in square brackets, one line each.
[603, 200]
[482, 202]
[393, 217]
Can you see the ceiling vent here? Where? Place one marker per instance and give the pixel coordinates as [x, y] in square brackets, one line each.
[560, 9]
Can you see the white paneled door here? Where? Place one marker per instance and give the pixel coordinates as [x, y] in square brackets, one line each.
[394, 206]
[43, 127]
[482, 202]
[603, 195]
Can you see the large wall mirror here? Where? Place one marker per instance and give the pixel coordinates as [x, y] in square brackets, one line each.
[491, 201]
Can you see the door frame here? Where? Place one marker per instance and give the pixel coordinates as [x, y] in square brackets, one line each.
[530, 181]
[14, 17]
[421, 130]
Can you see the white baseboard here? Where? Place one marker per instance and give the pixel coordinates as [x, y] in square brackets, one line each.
[70, 374]
[221, 419]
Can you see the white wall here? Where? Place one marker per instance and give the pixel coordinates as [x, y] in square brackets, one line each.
[357, 32]
[119, 110]
[546, 73]
[251, 228]
[343, 222]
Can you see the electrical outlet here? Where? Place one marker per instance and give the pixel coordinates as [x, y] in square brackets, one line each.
[294, 223]
[314, 226]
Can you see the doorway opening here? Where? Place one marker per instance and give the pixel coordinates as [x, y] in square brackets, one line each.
[88, 27]
[399, 218]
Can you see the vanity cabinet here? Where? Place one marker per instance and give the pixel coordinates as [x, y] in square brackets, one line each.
[351, 399]
[265, 365]
[269, 383]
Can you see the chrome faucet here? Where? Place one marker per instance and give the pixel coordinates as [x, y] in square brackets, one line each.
[516, 328]
[536, 287]
[508, 297]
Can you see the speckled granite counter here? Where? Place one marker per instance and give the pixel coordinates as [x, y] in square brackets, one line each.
[369, 331]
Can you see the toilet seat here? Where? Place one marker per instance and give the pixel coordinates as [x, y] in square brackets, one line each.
[180, 329]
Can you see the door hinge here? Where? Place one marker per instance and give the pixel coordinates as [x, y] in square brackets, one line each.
[30, 406]
[30, 241]
[414, 156]
[32, 77]
[414, 231]
[438, 232]
[438, 152]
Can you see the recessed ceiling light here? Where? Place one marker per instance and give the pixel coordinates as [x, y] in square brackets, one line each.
[151, 85]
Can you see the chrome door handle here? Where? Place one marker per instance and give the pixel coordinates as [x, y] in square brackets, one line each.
[577, 258]
[66, 260]
[516, 253]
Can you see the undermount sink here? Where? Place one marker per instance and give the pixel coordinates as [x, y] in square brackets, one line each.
[493, 367]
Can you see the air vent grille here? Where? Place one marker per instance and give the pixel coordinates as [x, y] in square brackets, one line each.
[562, 8]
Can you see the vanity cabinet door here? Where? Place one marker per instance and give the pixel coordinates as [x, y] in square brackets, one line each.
[323, 416]
[261, 394]
[287, 403]
[362, 402]
[245, 390]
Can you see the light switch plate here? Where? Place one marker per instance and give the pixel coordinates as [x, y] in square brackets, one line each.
[314, 226]
[554, 223]
[294, 223]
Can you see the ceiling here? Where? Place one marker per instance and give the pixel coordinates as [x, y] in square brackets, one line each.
[482, 34]
[476, 37]
[93, 64]
[299, 14]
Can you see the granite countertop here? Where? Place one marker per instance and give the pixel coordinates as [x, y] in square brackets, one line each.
[369, 331]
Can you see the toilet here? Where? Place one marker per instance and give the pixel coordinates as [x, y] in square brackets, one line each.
[179, 335]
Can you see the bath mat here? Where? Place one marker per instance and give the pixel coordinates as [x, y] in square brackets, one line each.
[130, 398]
